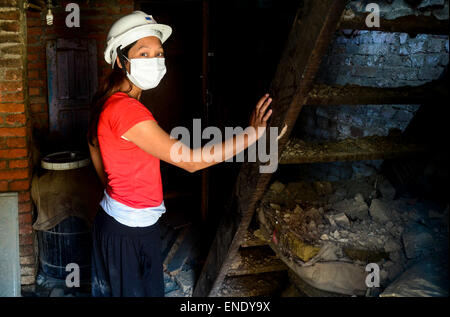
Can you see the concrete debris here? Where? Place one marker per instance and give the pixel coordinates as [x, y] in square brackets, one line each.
[391, 246]
[379, 211]
[386, 189]
[341, 220]
[354, 208]
[277, 187]
[324, 237]
[417, 241]
[341, 228]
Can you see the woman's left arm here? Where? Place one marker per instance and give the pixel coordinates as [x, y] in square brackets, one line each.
[96, 158]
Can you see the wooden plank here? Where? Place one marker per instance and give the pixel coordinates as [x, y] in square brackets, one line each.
[256, 260]
[368, 148]
[265, 284]
[251, 240]
[411, 24]
[293, 79]
[322, 94]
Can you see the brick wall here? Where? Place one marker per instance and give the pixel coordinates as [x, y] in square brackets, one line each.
[96, 17]
[23, 96]
[377, 59]
[15, 128]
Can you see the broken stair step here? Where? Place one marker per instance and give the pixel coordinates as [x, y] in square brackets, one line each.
[368, 148]
[251, 240]
[256, 260]
[181, 235]
[168, 239]
[322, 94]
[264, 284]
[411, 24]
[185, 247]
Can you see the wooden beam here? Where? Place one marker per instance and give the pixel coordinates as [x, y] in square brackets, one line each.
[251, 240]
[322, 94]
[256, 260]
[312, 30]
[264, 284]
[411, 24]
[368, 148]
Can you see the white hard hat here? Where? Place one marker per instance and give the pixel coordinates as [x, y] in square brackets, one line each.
[131, 28]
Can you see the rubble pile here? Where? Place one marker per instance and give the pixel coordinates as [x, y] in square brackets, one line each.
[356, 222]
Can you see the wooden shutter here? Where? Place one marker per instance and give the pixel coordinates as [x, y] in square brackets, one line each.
[72, 81]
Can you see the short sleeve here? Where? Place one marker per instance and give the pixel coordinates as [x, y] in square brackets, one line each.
[127, 114]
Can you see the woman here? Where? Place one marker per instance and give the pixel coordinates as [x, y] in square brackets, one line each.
[126, 146]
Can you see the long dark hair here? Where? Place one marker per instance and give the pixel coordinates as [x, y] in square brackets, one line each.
[108, 87]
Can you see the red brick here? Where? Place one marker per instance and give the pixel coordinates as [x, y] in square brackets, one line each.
[16, 142]
[13, 74]
[34, 91]
[25, 207]
[9, 26]
[2, 165]
[36, 65]
[15, 96]
[24, 241]
[12, 107]
[9, 15]
[25, 229]
[16, 118]
[19, 185]
[35, 49]
[26, 248]
[38, 99]
[11, 86]
[14, 174]
[27, 280]
[36, 83]
[34, 39]
[33, 14]
[13, 132]
[13, 153]
[25, 218]
[11, 62]
[3, 186]
[33, 74]
[24, 196]
[24, 260]
[34, 23]
[125, 10]
[34, 31]
[38, 107]
[18, 164]
[27, 270]
[32, 57]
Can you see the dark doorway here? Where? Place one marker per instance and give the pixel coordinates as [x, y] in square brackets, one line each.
[178, 98]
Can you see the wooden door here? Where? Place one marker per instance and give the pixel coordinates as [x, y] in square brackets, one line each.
[72, 81]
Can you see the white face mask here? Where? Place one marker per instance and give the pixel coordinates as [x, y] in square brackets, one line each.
[146, 73]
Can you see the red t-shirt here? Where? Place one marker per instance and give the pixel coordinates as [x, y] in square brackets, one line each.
[134, 176]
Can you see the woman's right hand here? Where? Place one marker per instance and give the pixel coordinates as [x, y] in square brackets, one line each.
[259, 117]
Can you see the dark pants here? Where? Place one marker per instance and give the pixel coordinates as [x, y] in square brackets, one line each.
[126, 261]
